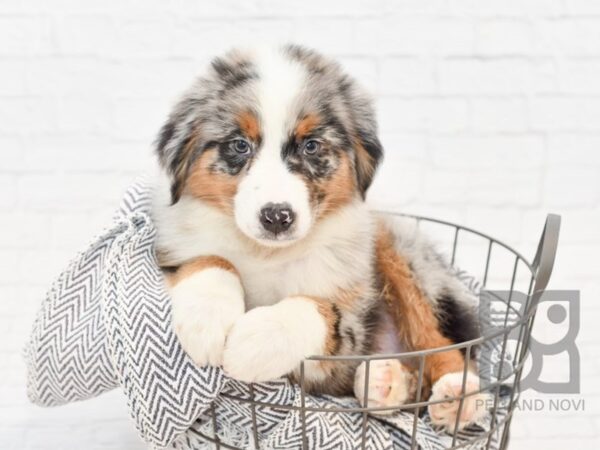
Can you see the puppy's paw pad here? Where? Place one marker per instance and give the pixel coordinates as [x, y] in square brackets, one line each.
[390, 384]
[445, 414]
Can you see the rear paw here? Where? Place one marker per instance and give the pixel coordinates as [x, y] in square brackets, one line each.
[390, 384]
[444, 414]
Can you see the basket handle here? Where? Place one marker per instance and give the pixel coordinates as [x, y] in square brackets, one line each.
[545, 256]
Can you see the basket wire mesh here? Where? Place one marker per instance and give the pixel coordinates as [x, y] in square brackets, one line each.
[537, 276]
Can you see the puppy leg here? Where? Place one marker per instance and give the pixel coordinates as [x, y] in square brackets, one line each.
[391, 383]
[419, 329]
[207, 297]
[270, 341]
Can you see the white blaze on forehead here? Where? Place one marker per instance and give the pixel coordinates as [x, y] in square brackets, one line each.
[280, 82]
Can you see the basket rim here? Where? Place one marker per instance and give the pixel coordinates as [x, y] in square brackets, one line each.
[419, 218]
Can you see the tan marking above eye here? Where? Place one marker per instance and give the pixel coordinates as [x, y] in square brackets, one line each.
[308, 123]
[249, 125]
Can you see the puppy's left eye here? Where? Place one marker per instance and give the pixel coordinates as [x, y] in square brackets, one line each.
[241, 146]
[311, 147]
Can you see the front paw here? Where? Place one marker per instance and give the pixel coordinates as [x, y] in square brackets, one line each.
[269, 342]
[203, 314]
[445, 414]
[202, 333]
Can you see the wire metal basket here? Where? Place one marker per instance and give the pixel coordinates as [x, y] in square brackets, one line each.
[513, 273]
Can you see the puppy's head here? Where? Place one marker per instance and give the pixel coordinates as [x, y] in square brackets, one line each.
[275, 139]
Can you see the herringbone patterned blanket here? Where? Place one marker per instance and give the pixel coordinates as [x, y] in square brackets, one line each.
[106, 323]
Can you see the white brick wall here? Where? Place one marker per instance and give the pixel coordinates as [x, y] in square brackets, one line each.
[489, 110]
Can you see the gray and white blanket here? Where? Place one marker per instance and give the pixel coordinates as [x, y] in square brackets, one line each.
[106, 323]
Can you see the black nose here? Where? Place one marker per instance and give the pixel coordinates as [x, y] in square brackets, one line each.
[277, 217]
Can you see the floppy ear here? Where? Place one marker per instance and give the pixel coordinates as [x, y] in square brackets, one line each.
[175, 147]
[369, 152]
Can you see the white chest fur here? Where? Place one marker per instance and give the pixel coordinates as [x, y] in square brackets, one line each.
[335, 255]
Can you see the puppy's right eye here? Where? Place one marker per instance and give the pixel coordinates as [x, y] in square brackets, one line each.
[311, 147]
[241, 146]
